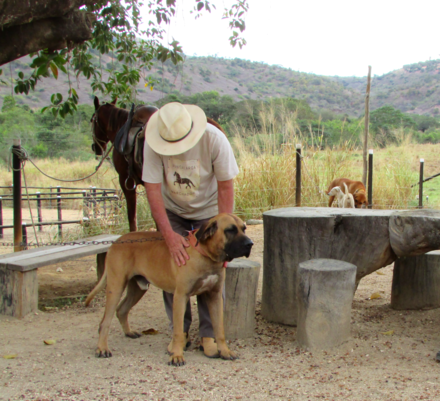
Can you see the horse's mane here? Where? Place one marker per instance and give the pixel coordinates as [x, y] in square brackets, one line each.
[215, 124]
[117, 118]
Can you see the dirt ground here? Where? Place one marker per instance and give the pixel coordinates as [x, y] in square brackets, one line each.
[390, 355]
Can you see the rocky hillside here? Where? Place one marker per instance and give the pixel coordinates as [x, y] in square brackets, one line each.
[414, 88]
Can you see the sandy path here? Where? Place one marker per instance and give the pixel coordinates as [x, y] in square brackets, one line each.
[371, 365]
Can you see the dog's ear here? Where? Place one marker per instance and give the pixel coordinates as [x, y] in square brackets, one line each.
[96, 102]
[206, 231]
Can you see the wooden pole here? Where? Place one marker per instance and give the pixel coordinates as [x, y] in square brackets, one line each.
[298, 176]
[367, 123]
[16, 191]
[60, 218]
[370, 179]
[422, 162]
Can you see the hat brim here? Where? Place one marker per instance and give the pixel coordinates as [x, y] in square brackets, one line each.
[163, 147]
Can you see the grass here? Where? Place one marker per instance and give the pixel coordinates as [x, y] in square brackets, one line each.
[267, 161]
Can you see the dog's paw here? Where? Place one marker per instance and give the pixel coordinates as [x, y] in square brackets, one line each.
[176, 360]
[228, 355]
[133, 334]
[106, 353]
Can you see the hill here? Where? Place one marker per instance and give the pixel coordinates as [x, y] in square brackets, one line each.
[414, 88]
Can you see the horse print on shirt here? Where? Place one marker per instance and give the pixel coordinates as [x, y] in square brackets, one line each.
[185, 181]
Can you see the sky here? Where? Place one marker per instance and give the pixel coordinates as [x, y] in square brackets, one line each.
[337, 37]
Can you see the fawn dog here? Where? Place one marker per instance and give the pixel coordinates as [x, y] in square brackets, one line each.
[356, 188]
[140, 258]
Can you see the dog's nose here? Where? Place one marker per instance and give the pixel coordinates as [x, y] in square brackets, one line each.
[248, 243]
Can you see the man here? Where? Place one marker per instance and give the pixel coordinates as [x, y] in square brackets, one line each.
[188, 173]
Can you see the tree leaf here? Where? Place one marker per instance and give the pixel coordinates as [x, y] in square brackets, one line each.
[49, 342]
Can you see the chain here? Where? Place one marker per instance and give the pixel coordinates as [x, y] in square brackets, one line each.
[23, 155]
[130, 241]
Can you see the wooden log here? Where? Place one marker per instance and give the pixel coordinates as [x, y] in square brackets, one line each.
[415, 232]
[294, 235]
[19, 292]
[241, 293]
[325, 294]
[416, 282]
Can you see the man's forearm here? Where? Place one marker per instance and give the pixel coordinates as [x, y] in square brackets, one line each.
[225, 196]
[154, 196]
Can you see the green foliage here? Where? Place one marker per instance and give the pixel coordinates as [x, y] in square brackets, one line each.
[117, 32]
[387, 118]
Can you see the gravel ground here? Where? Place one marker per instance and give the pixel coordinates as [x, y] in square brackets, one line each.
[390, 355]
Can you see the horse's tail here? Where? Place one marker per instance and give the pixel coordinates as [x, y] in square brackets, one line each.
[101, 284]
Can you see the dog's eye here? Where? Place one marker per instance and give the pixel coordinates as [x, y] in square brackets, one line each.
[231, 230]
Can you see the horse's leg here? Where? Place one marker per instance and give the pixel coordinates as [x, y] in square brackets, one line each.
[121, 167]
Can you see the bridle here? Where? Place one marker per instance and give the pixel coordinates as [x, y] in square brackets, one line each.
[95, 124]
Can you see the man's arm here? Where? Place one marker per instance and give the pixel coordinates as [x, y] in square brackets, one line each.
[175, 242]
[225, 196]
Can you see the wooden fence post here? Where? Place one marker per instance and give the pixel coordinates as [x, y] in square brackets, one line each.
[298, 176]
[24, 237]
[422, 162]
[370, 179]
[16, 179]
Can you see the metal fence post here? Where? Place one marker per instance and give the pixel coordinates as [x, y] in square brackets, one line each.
[24, 236]
[40, 217]
[370, 179]
[16, 191]
[60, 217]
[422, 163]
[298, 176]
[1, 217]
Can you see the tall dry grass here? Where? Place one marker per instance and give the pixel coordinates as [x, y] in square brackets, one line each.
[267, 171]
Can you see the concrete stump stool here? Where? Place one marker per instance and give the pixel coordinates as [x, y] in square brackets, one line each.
[325, 294]
[241, 294]
[416, 282]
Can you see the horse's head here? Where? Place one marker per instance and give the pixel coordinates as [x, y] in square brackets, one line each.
[101, 127]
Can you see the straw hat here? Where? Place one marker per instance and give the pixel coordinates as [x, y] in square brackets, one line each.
[175, 128]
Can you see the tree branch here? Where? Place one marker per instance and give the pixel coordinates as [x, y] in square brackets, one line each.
[49, 33]
[24, 12]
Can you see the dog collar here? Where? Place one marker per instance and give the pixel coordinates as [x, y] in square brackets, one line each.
[191, 238]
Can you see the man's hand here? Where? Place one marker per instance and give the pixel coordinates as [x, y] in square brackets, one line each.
[176, 245]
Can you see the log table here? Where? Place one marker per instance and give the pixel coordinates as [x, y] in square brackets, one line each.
[369, 239]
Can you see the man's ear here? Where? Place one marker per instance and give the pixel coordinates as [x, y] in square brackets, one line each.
[206, 231]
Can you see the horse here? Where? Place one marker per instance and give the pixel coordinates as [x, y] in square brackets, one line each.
[106, 122]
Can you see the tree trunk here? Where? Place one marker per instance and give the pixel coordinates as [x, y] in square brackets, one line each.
[294, 235]
[416, 280]
[241, 294]
[325, 295]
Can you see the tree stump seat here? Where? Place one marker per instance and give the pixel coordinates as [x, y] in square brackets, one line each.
[325, 294]
[241, 295]
[416, 282]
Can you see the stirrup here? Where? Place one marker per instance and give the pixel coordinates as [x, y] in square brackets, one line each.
[134, 186]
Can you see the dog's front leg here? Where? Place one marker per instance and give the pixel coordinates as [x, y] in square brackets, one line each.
[215, 306]
[179, 305]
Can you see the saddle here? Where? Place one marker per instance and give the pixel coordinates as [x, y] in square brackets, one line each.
[129, 140]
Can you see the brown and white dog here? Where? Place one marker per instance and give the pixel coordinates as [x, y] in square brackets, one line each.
[356, 188]
[140, 258]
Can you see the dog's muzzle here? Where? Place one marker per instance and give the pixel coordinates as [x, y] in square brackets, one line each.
[239, 248]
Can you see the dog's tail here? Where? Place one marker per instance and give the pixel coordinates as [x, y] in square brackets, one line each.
[101, 284]
[346, 188]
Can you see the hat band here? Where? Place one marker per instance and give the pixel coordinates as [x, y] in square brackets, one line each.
[180, 139]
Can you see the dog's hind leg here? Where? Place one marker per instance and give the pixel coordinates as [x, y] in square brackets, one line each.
[113, 295]
[134, 294]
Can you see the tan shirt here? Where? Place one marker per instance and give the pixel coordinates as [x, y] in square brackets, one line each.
[189, 180]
